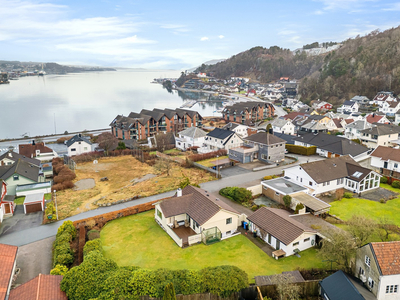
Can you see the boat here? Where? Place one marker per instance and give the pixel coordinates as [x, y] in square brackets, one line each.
[42, 72]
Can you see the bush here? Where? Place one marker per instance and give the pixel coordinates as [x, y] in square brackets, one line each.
[384, 179]
[287, 200]
[199, 157]
[268, 177]
[301, 149]
[69, 227]
[62, 253]
[396, 184]
[348, 195]
[94, 245]
[254, 207]
[299, 207]
[236, 194]
[59, 270]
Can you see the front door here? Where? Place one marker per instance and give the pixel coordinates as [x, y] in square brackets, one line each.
[278, 244]
[7, 208]
[385, 164]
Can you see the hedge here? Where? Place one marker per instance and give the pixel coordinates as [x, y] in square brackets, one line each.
[236, 194]
[296, 149]
[199, 157]
[100, 278]
[94, 245]
[62, 252]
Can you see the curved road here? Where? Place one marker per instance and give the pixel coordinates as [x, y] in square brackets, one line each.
[31, 235]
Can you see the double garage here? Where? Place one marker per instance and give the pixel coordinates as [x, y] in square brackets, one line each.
[34, 203]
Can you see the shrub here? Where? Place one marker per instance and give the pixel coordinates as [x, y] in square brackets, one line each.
[62, 253]
[94, 245]
[301, 149]
[348, 195]
[382, 200]
[169, 292]
[59, 270]
[299, 207]
[384, 179]
[69, 227]
[236, 194]
[396, 184]
[268, 177]
[287, 200]
[254, 207]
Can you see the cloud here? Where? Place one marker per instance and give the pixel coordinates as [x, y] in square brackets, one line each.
[204, 38]
[221, 36]
[286, 32]
[175, 27]
[342, 4]
[393, 7]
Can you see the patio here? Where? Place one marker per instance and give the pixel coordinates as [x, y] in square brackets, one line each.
[184, 232]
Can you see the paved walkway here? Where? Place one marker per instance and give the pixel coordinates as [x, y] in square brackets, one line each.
[31, 235]
[256, 241]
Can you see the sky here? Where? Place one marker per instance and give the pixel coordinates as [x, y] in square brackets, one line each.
[177, 34]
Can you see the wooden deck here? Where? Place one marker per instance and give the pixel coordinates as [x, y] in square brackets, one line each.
[184, 232]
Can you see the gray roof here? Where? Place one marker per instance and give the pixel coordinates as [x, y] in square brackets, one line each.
[33, 198]
[359, 125]
[332, 143]
[265, 138]
[279, 224]
[230, 126]
[311, 202]
[382, 129]
[284, 186]
[22, 168]
[287, 137]
[339, 287]
[77, 138]
[193, 132]
[360, 98]
[279, 122]
[292, 276]
[14, 156]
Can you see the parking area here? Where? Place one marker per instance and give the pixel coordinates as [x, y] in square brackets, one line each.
[19, 221]
[233, 171]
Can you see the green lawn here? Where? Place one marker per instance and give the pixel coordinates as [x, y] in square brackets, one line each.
[171, 151]
[208, 162]
[19, 200]
[346, 208]
[138, 240]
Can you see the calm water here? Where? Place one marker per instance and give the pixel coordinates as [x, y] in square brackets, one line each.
[57, 103]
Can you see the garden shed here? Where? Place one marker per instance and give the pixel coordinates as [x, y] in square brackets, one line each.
[34, 203]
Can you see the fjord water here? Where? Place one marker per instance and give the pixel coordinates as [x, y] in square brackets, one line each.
[41, 105]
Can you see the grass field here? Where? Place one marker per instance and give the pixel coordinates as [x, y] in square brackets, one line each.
[138, 240]
[346, 208]
[208, 162]
[121, 171]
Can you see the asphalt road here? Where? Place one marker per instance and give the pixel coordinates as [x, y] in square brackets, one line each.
[31, 235]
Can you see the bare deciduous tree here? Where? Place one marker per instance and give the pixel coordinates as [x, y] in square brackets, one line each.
[285, 286]
[361, 228]
[107, 141]
[164, 165]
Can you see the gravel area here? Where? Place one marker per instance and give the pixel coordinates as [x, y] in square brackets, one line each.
[377, 194]
[85, 184]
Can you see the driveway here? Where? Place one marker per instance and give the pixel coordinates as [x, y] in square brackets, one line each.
[20, 221]
[234, 171]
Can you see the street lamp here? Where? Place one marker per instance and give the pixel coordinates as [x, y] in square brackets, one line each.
[217, 168]
[55, 201]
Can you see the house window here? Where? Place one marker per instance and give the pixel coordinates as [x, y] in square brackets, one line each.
[269, 239]
[85, 148]
[370, 282]
[296, 244]
[391, 289]
[306, 240]
[16, 177]
[229, 221]
[395, 165]
[73, 149]
[367, 261]
[310, 183]
[159, 214]
[276, 193]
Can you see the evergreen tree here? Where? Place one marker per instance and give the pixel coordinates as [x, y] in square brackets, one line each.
[169, 292]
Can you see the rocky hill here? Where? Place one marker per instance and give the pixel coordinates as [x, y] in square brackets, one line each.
[361, 66]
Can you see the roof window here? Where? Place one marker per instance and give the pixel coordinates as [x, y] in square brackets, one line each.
[357, 174]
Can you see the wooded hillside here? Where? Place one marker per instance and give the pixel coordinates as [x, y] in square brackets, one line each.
[362, 66]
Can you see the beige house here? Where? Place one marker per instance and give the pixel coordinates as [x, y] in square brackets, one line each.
[194, 215]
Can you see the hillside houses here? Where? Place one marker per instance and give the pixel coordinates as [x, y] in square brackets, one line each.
[248, 113]
[380, 135]
[382, 97]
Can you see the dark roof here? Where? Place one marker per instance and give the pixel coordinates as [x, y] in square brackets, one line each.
[387, 256]
[230, 126]
[221, 134]
[14, 156]
[382, 129]
[279, 224]
[77, 138]
[197, 203]
[265, 138]
[29, 150]
[386, 153]
[22, 168]
[42, 287]
[8, 255]
[349, 103]
[339, 287]
[332, 143]
[287, 137]
[334, 168]
[292, 276]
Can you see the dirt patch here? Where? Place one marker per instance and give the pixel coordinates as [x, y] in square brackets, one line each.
[144, 178]
[84, 184]
[378, 194]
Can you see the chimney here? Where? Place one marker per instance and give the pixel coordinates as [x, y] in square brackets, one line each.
[79, 134]
[179, 192]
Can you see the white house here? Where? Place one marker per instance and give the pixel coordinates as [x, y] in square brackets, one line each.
[219, 139]
[193, 215]
[380, 135]
[353, 130]
[375, 118]
[378, 267]
[397, 117]
[78, 145]
[386, 159]
[190, 137]
[283, 126]
[348, 106]
[241, 130]
[382, 97]
[389, 108]
[281, 231]
[332, 174]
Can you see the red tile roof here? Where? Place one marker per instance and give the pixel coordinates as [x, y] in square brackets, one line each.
[29, 150]
[388, 257]
[42, 287]
[386, 153]
[8, 254]
[373, 118]
[348, 121]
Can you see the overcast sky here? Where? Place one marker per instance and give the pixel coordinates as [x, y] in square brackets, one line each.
[177, 34]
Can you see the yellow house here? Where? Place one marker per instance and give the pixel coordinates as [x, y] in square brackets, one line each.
[193, 216]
